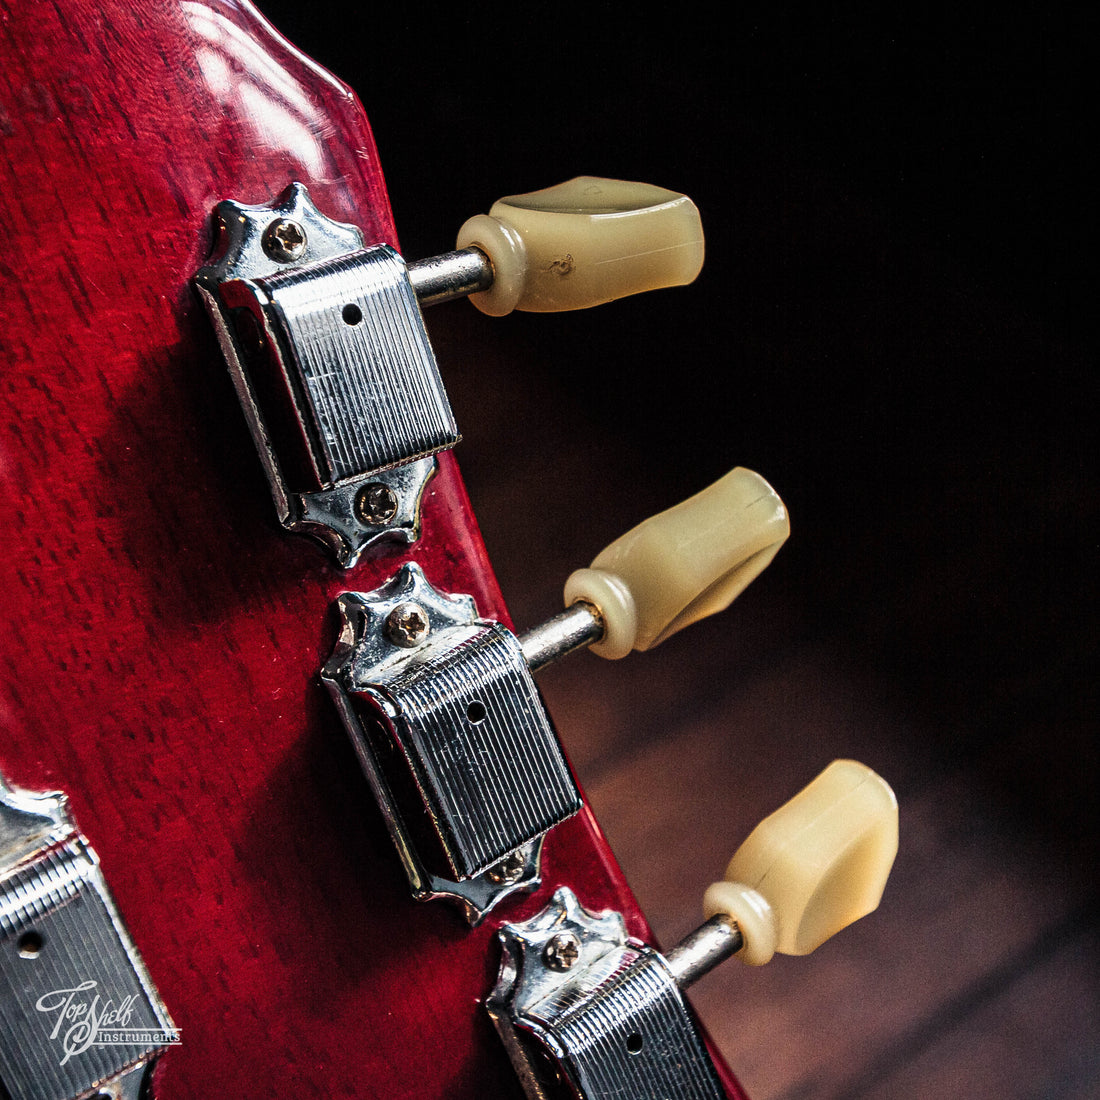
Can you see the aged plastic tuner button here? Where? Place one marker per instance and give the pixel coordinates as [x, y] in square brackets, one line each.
[582, 243]
[816, 865]
[683, 564]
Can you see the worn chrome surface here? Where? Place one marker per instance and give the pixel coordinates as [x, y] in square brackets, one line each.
[78, 1011]
[335, 353]
[701, 951]
[454, 739]
[470, 722]
[451, 275]
[577, 626]
[363, 361]
[613, 1024]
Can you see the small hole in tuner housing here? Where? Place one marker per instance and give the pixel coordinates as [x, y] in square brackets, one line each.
[30, 945]
[634, 1043]
[476, 712]
[352, 314]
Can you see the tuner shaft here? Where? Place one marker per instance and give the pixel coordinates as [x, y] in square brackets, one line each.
[450, 275]
[702, 950]
[579, 625]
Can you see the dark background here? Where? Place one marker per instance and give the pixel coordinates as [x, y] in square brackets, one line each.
[895, 325]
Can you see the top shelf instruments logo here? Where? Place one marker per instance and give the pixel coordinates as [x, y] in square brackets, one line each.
[82, 1018]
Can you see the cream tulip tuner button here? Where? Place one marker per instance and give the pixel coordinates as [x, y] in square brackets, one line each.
[683, 564]
[816, 865]
[582, 243]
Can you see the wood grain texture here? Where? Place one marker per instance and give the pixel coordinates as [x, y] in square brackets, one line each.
[162, 637]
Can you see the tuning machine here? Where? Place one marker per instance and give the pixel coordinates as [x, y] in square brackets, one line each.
[443, 711]
[326, 345]
[586, 1011]
[64, 950]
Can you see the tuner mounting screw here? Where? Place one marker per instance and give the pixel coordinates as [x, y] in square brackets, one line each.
[285, 240]
[562, 951]
[508, 870]
[407, 625]
[375, 504]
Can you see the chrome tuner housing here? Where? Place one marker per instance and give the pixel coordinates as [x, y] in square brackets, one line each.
[586, 1011]
[327, 350]
[78, 1011]
[453, 737]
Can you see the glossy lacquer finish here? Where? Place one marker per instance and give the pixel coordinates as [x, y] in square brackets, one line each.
[162, 635]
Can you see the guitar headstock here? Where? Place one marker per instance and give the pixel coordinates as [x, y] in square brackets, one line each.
[167, 635]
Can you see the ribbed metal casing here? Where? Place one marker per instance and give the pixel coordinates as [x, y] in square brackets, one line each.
[77, 1009]
[586, 1011]
[632, 1034]
[356, 338]
[474, 733]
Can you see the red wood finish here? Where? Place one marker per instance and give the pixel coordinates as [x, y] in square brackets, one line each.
[163, 635]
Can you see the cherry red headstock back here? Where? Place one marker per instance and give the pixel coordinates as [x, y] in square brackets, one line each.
[163, 636]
